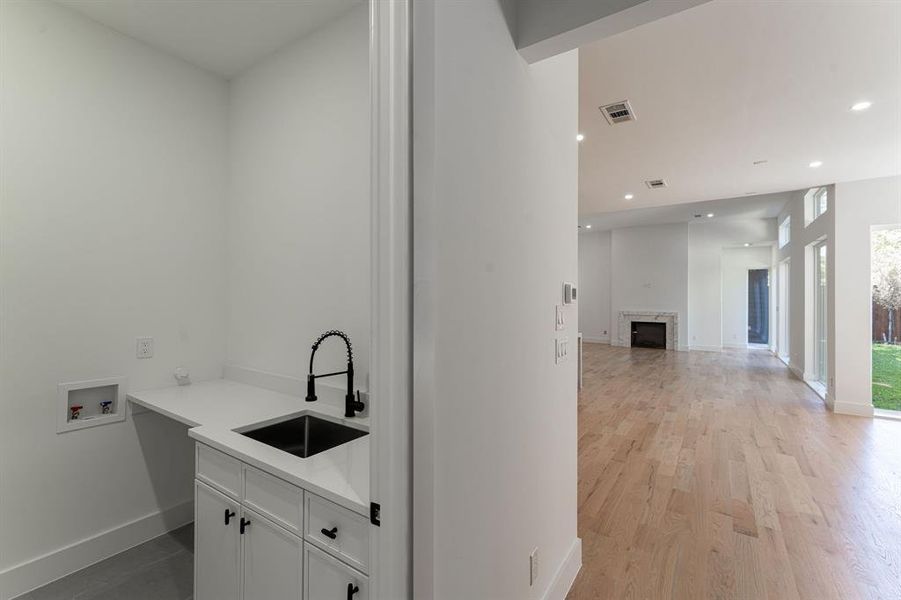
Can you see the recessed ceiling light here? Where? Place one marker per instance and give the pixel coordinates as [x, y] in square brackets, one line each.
[580, 137]
[863, 105]
[709, 215]
[588, 227]
[628, 196]
[747, 244]
[816, 164]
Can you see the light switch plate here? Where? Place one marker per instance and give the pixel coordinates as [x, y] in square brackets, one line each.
[560, 318]
[561, 349]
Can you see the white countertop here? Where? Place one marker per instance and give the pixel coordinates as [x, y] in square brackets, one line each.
[214, 409]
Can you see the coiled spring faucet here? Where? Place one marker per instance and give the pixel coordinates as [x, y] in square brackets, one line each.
[352, 405]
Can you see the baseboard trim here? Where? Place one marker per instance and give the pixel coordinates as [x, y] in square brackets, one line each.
[26, 576]
[566, 573]
[706, 348]
[328, 392]
[855, 410]
[596, 340]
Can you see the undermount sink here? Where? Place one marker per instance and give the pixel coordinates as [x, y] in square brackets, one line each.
[304, 436]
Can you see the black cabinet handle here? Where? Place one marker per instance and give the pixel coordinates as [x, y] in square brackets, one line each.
[228, 515]
[351, 590]
[330, 533]
[244, 524]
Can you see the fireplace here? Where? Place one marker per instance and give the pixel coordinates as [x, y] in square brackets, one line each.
[648, 335]
[624, 327]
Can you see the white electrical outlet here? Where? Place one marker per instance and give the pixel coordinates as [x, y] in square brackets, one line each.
[533, 567]
[144, 347]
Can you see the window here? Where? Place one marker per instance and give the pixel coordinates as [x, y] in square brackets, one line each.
[785, 232]
[819, 318]
[782, 310]
[820, 202]
[816, 202]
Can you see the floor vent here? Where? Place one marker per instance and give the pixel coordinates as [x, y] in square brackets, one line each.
[618, 112]
[655, 183]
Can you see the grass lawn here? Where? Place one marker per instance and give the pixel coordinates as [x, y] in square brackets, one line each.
[887, 376]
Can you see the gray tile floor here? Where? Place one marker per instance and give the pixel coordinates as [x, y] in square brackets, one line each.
[161, 569]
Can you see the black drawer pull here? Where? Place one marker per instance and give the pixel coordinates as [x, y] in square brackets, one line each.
[351, 590]
[228, 515]
[330, 533]
[245, 523]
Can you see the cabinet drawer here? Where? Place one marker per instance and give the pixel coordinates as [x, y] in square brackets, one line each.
[329, 579]
[274, 498]
[349, 539]
[218, 470]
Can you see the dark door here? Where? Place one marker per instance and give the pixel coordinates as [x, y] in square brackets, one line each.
[759, 306]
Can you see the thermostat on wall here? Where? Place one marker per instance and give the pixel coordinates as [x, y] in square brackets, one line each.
[570, 293]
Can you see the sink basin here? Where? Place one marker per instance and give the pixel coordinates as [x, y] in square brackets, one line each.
[304, 436]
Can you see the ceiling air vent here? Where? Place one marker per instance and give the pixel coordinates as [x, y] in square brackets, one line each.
[618, 112]
[655, 183]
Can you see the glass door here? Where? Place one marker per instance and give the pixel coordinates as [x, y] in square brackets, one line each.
[759, 306]
[885, 270]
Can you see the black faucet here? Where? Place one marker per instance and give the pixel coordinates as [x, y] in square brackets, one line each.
[351, 405]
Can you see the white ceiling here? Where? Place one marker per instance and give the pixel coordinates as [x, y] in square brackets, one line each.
[764, 206]
[721, 85]
[222, 36]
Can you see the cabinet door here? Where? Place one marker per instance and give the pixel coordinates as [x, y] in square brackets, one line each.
[217, 566]
[273, 560]
[330, 579]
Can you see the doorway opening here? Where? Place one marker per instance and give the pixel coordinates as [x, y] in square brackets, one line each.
[885, 276]
[759, 306]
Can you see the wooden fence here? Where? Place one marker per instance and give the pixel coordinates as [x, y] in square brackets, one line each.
[881, 324]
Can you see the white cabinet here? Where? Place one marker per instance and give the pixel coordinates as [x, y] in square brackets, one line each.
[256, 538]
[217, 549]
[330, 579]
[272, 560]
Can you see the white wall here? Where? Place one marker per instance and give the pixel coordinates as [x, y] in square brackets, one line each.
[735, 266]
[298, 211]
[656, 265]
[649, 271]
[706, 243]
[858, 206]
[495, 204]
[594, 286]
[113, 174]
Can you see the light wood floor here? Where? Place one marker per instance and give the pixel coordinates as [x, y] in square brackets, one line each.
[706, 475]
